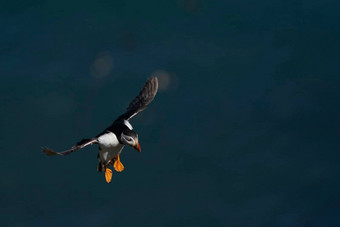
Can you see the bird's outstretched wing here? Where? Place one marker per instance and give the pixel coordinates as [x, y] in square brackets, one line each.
[142, 100]
[81, 144]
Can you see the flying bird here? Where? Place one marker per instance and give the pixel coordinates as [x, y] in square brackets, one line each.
[120, 133]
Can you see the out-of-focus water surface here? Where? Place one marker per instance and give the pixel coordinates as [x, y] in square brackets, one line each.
[243, 132]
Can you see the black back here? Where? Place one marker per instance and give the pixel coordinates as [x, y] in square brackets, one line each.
[117, 128]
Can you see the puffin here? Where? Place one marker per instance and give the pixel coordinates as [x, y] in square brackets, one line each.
[120, 133]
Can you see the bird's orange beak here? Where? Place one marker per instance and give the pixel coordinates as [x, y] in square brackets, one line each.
[137, 147]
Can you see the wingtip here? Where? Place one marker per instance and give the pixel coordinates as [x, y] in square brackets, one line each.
[154, 81]
[48, 151]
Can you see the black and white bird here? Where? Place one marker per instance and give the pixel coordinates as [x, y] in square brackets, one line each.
[120, 133]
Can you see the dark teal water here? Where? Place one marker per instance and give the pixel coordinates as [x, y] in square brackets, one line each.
[243, 132]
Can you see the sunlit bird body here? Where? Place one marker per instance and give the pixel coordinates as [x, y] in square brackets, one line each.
[120, 133]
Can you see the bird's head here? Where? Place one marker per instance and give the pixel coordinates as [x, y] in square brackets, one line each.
[129, 137]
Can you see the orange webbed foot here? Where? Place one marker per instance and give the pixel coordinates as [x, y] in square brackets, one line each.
[108, 175]
[118, 166]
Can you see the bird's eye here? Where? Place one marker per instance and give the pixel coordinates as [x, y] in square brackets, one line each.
[129, 139]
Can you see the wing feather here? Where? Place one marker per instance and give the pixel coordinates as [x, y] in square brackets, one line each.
[142, 100]
[81, 144]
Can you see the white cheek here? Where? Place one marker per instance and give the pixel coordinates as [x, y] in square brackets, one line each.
[126, 141]
[129, 142]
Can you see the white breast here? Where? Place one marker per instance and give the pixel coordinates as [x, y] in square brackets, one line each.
[109, 147]
[108, 140]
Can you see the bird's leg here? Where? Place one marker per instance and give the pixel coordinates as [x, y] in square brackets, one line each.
[118, 165]
[110, 162]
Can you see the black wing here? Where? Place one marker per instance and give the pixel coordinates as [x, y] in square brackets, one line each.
[81, 144]
[142, 100]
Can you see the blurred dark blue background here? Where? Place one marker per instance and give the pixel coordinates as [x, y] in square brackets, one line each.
[243, 132]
